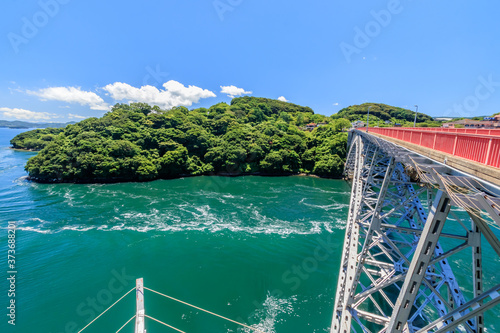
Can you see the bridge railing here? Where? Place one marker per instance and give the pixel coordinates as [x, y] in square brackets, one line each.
[479, 131]
[483, 148]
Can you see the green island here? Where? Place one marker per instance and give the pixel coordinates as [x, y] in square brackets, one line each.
[386, 115]
[139, 142]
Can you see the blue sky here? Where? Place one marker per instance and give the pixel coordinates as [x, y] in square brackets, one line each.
[65, 60]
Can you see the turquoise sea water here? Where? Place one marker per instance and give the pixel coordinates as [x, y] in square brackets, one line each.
[261, 250]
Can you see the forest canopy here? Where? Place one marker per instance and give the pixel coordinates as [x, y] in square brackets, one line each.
[383, 112]
[139, 142]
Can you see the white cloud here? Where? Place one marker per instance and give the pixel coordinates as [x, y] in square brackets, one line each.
[71, 95]
[26, 114]
[173, 94]
[73, 116]
[335, 104]
[233, 91]
[282, 98]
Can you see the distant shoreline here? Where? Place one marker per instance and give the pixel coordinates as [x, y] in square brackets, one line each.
[19, 124]
[22, 149]
[222, 174]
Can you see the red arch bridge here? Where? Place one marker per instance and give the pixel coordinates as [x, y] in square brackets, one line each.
[423, 222]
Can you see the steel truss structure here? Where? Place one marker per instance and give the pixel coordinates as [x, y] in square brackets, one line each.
[395, 274]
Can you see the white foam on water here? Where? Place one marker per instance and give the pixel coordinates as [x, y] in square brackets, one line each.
[22, 181]
[40, 231]
[77, 228]
[201, 220]
[315, 189]
[332, 206]
[273, 311]
[341, 223]
[314, 227]
[186, 216]
[277, 190]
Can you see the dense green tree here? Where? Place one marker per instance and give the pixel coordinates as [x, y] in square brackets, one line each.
[328, 165]
[341, 124]
[174, 163]
[380, 111]
[36, 139]
[137, 142]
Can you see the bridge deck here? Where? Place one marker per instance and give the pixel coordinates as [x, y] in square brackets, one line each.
[468, 165]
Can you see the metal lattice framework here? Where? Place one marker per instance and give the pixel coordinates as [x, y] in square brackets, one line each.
[394, 274]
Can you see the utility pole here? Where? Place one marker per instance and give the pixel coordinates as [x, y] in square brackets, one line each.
[139, 298]
[415, 121]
